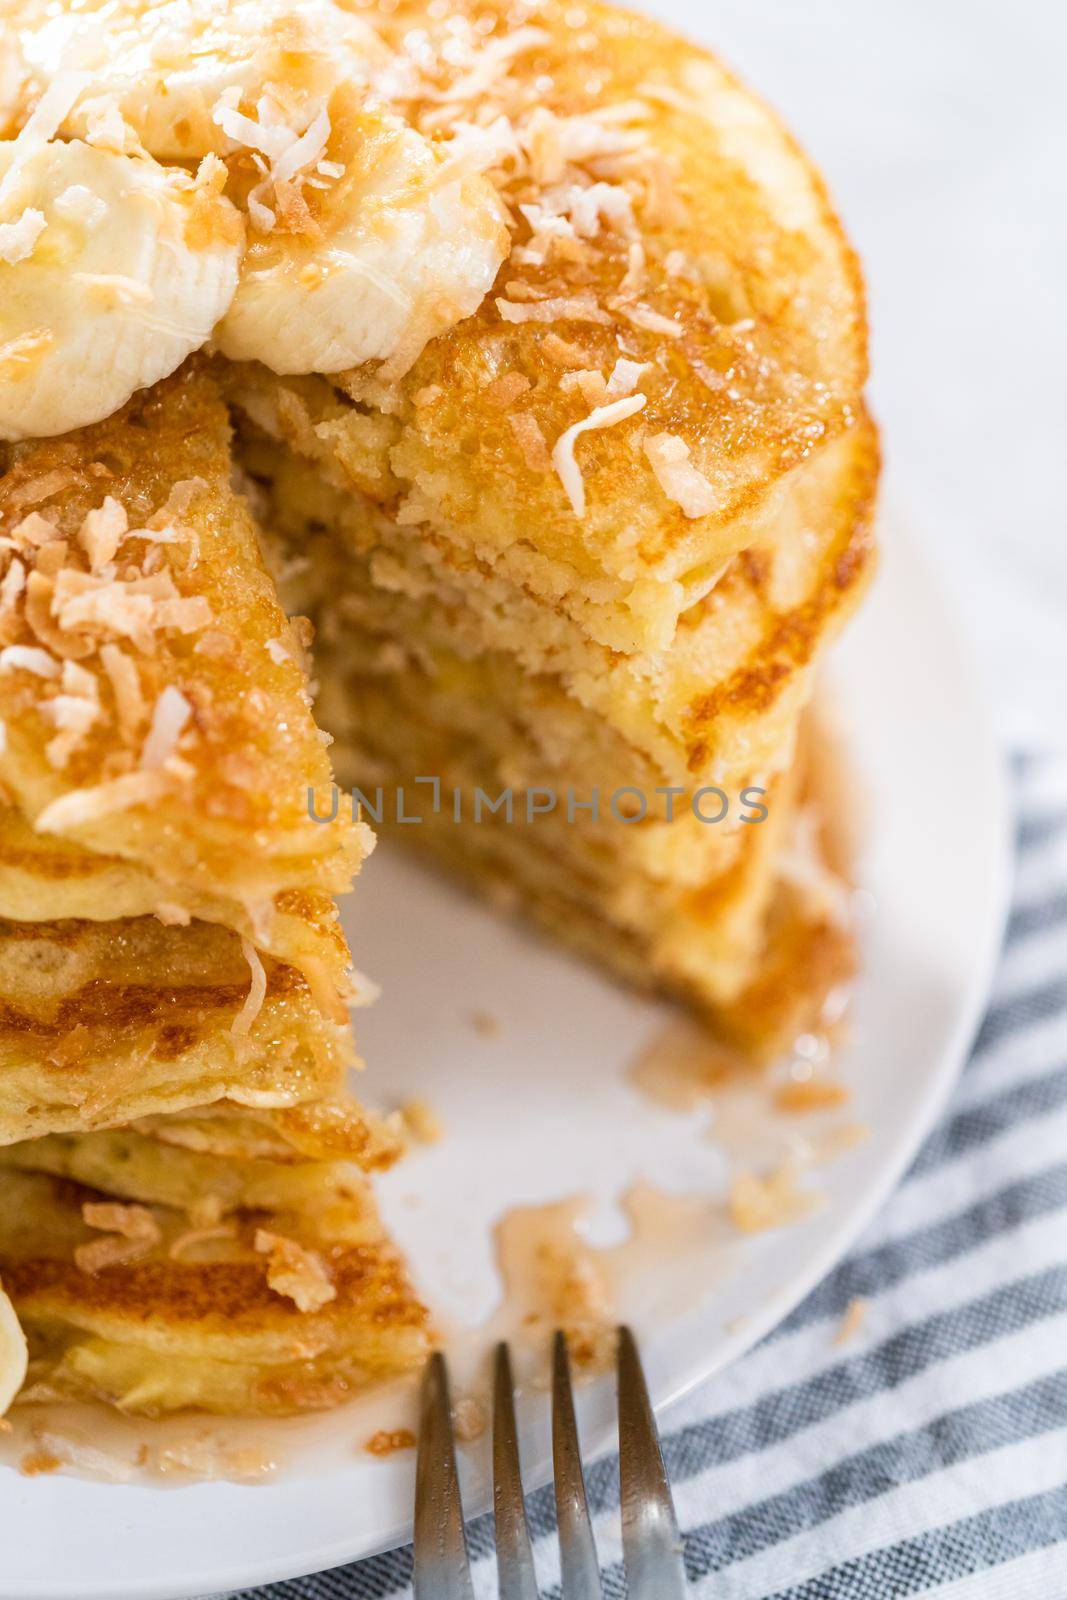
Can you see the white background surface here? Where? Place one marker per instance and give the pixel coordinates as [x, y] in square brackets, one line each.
[941, 126]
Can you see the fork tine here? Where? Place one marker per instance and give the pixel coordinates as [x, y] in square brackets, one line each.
[442, 1568]
[514, 1557]
[579, 1570]
[652, 1546]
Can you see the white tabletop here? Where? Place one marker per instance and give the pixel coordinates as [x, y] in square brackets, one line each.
[941, 126]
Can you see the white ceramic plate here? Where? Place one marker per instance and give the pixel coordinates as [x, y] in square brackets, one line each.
[543, 1109]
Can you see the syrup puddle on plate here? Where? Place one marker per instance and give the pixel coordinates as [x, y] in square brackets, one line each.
[665, 1254]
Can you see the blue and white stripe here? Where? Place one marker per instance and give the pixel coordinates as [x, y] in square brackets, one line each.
[929, 1455]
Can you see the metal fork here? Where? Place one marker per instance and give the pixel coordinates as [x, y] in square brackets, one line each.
[652, 1548]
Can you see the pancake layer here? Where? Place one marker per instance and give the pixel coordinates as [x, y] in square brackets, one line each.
[211, 1265]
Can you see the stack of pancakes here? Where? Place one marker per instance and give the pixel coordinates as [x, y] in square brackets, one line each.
[544, 643]
[569, 568]
[186, 1214]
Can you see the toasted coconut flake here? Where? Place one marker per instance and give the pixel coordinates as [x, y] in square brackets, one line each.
[136, 1229]
[470, 1417]
[589, 383]
[74, 810]
[625, 376]
[173, 915]
[531, 440]
[757, 1204]
[107, 129]
[852, 1321]
[36, 490]
[295, 1272]
[505, 389]
[126, 687]
[73, 712]
[169, 717]
[43, 123]
[552, 142]
[387, 1441]
[563, 458]
[34, 531]
[181, 496]
[421, 1122]
[257, 992]
[12, 584]
[633, 279]
[18, 239]
[563, 352]
[474, 149]
[647, 320]
[135, 608]
[801, 1095]
[678, 478]
[286, 156]
[708, 376]
[304, 151]
[560, 308]
[101, 532]
[29, 658]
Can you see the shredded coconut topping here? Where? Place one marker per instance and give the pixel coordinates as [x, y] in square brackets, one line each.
[29, 658]
[80, 806]
[169, 717]
[69, 596]
[257, 992]
[561, 308]
[295, 1272]
[563, 454]
[101, 532]
[136, 1229]
[286, 155]
[531, 441]
[626, 375]
[678, 478]
[18, 239]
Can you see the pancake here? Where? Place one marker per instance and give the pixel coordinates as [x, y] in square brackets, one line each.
[103, 1022]
[161, 1278]
[152, 691]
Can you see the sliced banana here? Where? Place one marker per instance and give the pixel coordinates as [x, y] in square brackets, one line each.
[365, 240]
[121, 272]
[13, 1353]
[164, 64]
[390, 252]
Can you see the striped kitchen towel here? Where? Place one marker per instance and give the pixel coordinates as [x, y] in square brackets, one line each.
[928, 1455]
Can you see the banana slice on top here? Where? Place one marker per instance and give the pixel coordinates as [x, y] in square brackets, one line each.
[394, 246]
[13, 1353]
[112, 271]
[163, 65]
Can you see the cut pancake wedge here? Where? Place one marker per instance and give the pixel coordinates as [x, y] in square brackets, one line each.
[152, 691]
[161, 1278]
